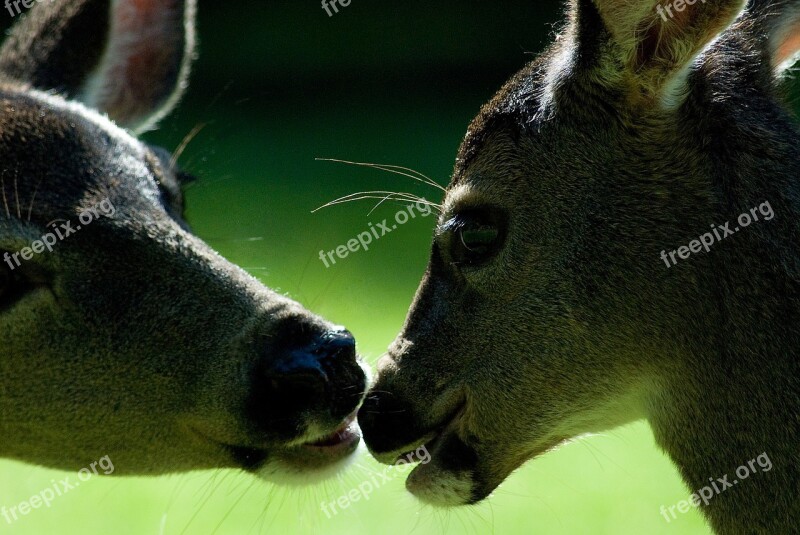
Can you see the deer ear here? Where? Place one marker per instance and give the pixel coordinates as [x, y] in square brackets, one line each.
[126, 58]
[781, 24]
[650, 44]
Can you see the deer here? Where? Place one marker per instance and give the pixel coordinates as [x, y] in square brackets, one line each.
[546, 312]
[130, 338]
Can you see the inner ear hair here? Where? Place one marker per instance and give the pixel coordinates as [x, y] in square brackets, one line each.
[656, 41]
[780, 22]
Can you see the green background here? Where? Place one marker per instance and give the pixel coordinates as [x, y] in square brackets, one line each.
[277, 85]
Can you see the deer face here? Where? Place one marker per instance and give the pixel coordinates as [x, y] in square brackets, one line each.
[124, 334]
[545, 311]
[509, 348]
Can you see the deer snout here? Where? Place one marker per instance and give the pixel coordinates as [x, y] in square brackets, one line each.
[307, 380]
[303, 388]
[319, 376]
[389, 425]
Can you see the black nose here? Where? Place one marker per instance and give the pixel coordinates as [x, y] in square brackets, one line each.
[320, 378]
[334, 344]
[302, 376]
[388, 422]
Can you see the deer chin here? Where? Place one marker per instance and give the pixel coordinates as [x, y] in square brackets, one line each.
[446, 476]
[313, 457]
[450, 477]
[458, 474]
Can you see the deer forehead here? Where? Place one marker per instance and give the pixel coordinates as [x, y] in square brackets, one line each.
[83, 153]
[70, 111]
[494, 177]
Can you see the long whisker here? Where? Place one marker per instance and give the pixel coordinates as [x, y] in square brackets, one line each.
[391, 197]
[5, 200]
[390, 168]
[16, 193]
[185, 143]
[381, 195]
[33, 198]
[388, 197]
[395, 169]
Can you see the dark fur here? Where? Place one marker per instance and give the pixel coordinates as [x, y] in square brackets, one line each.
[133, 338]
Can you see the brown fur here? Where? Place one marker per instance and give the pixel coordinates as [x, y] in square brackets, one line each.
[590, 165]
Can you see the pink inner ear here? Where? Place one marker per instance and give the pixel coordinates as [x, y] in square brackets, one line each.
[145, 4]
[137, 18]
[148, 41]
[144, 57]
[788, 43]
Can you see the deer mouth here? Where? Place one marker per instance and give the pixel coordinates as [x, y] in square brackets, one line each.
[428, 441]
[345, 437]
[448, 469]
[301, 461]
[320, 457]
[393, 429]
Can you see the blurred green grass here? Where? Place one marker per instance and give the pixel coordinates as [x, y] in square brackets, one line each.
[337, 90]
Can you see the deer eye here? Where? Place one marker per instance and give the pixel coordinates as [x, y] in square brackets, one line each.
[476, 236]
[479, 240]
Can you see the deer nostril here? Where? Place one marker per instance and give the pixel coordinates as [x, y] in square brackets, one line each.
[297, 387]
[304, 382]
[302, 379]
[335, 344]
